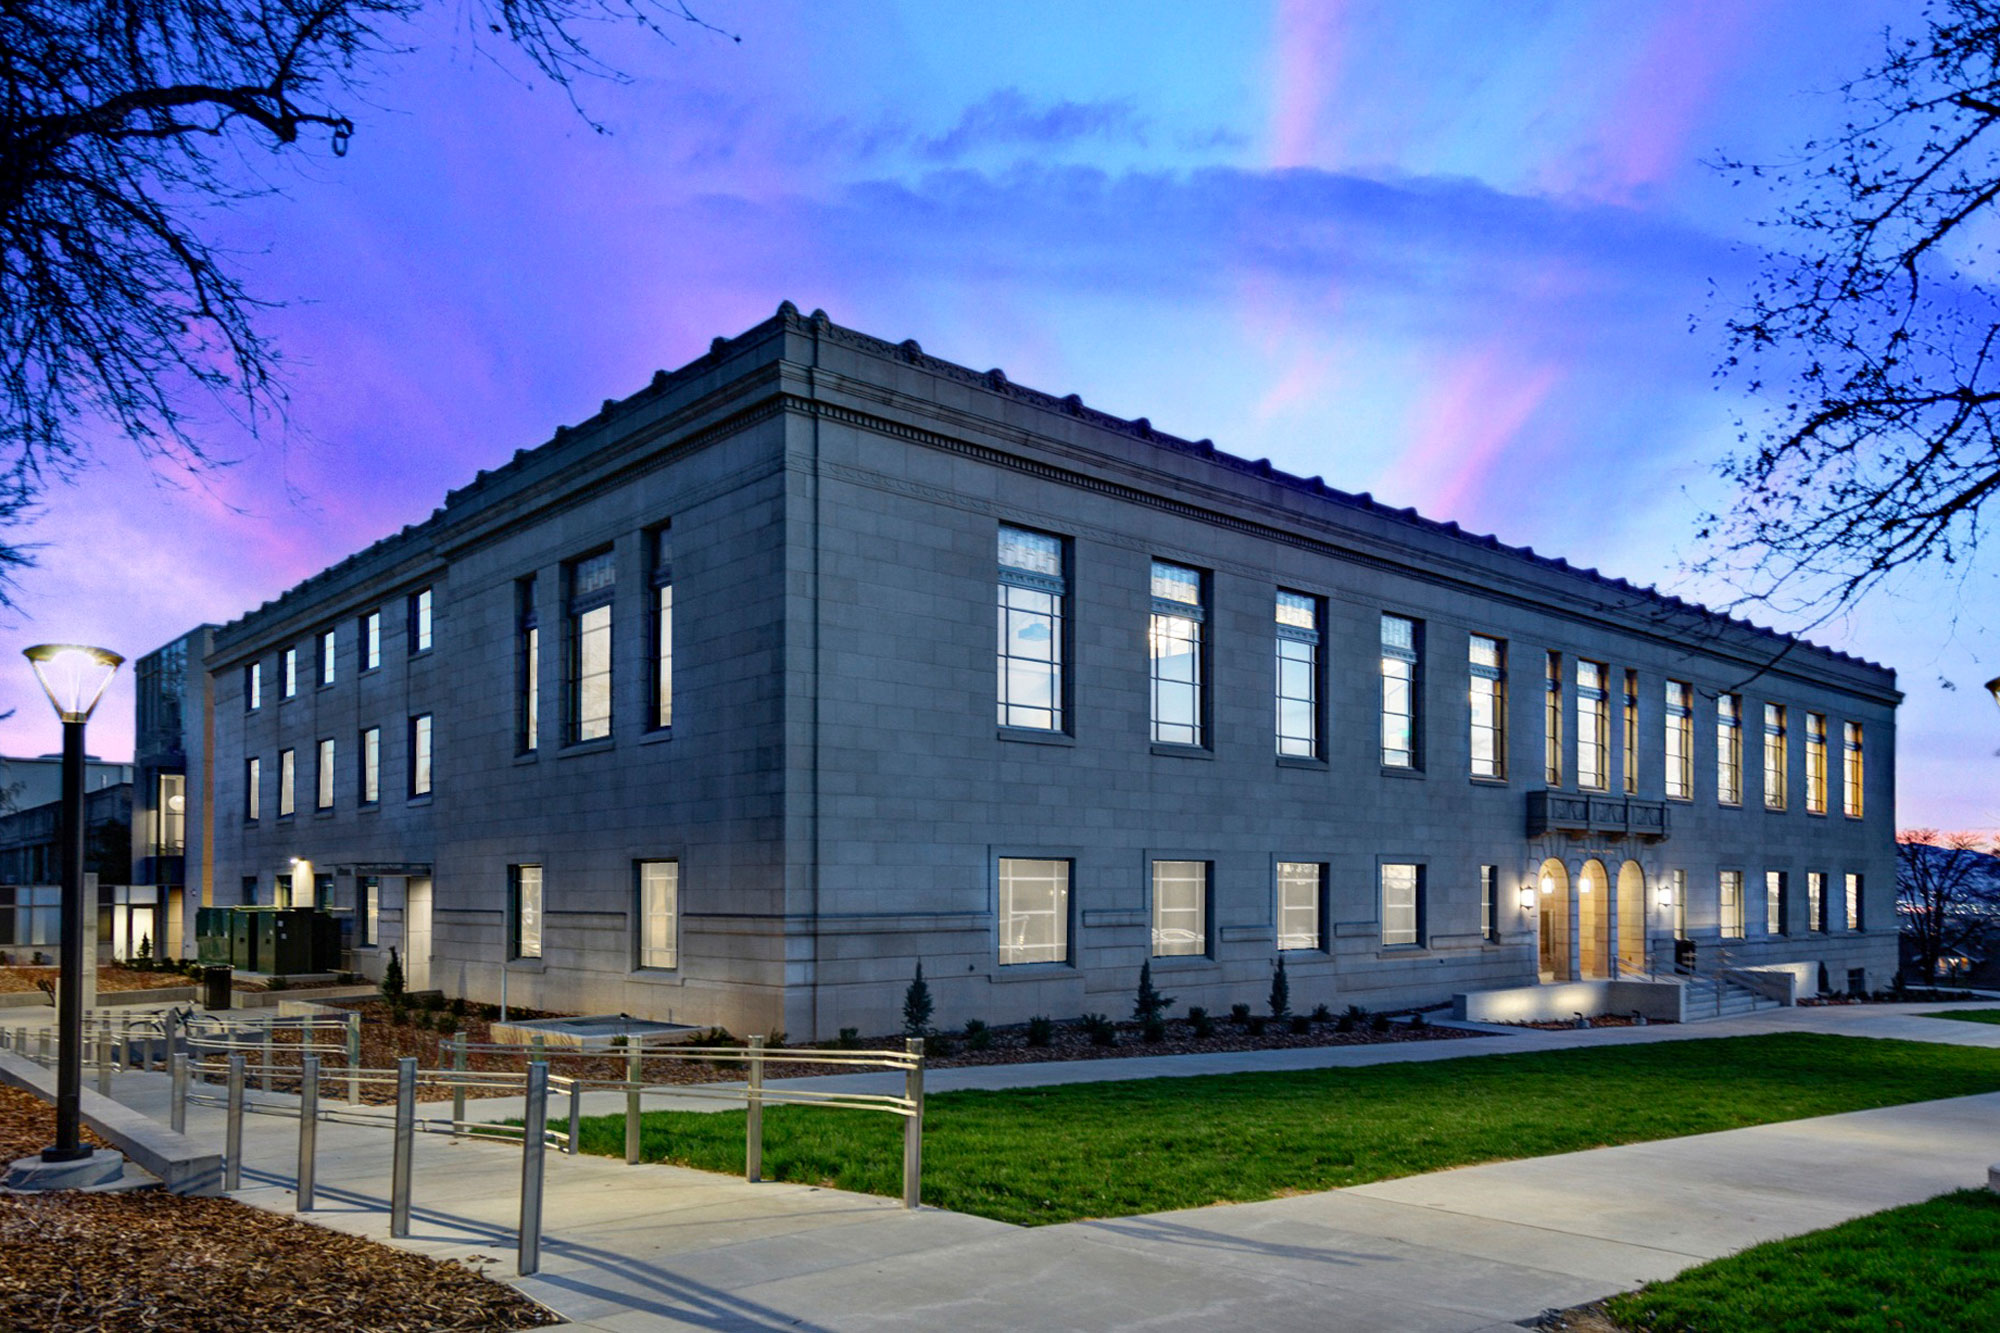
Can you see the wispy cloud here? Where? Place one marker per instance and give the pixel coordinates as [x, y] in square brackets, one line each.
[1007, 118]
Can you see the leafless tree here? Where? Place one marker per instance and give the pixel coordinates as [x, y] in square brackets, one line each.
[1874, 333]
[123, 124]
[1947, 894]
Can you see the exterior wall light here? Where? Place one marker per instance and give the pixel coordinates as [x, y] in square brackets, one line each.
[1548, 884]
[1666, 897]
[1527, 897]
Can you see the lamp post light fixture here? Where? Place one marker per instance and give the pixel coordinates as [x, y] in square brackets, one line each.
[74, 677]
[1993, 688]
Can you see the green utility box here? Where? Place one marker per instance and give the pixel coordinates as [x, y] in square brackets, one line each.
[276, 941]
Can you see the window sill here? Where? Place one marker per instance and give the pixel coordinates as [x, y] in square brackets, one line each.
[657, 976]
[1008, 973]
[657, 736]
[1729, 805]
[1413, 773]
[425, 799]
[528, 757]
[1478, 781]
[1777, 810]
[1029, 736]
[1402, 951]
[368, 808]
[527, 964]
[324, 814]
[596, 745]
[1171, 751]
[1181, 962]
[1298, 761]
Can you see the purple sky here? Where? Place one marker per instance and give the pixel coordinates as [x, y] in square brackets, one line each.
[1446, 253]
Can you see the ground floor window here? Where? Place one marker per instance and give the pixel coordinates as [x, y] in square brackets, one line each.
[659, 913]
[1731, 893]
[369, 918]
[1815, 901]
[1402, 903]
[1854, 902]
[1180, 908]
[1774, 902]
[1033, 911]
[1489, 902]
[30, 915]
[1680, 892]
[1299, 894]
[524, 912]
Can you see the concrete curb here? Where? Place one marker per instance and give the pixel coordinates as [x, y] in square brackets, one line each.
[164, 995]
[183, 1166]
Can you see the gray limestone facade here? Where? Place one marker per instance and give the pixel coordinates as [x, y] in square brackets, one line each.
[820, 657]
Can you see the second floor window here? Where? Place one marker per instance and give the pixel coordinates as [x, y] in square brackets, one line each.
[420, 755]
[371, 766]
[253, 789]
[323, 778]
[592, 581]
[1729, 749]
[663, 628]
[371, 641]
[420, 621]
[288, 771]
[1593, 727]
[1174, 641]
[1552, 722]
[171, 836]
[328, 656]
[527, 669]
[291, 672]
[1815, 764]
[1851, 775]
[1032, 592]
[1298, 675]
[1488, 666]
[1776, 771]
[253, 687]
[1631, 733]
[1679, 747]
[1401, 658]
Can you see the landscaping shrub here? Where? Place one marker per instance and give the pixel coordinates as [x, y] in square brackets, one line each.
[1153, 1029]
[1254, 1025]
[1041, 1030]
[1418, 1021]
[1240, 1013]
[978, 1037]
[1379, 1023]
[1351, 1018]
[434, 1001]
[938, 1045]
[1102, 1031]
[424, 1019]
[1322, 1014]
[399, 1014]
[1149, 1004]
[1281, 990]
[917, 1005]
[392, 978]
[458, 1006]
[1301, 1024]
[278, 983]
[850, 1039]
[447, 1024]
[1200, 1023]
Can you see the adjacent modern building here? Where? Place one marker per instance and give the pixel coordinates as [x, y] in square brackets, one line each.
[171, 797]
[820, 657]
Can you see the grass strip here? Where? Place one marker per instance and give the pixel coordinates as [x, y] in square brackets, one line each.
[1927, 1266]
[1966, 1015]
[1034, 1156]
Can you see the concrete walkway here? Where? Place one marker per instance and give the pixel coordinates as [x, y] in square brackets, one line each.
[1470, 1251]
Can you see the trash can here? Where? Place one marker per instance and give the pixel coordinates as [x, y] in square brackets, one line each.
[215, 986]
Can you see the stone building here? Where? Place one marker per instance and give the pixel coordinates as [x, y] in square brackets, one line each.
[821, 656]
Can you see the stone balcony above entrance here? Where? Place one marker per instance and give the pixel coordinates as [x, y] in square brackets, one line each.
[1582, 815]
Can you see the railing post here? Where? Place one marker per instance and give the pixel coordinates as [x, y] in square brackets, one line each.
[458, 1065]
[354, 1058]
[634, 1078]
[42, 1047]
[177, 1067]
[267, 1082]
[124, 1052]
[104, 1056]
[913, 1127]
[232, 1140]
[753, 1123]
[308, 1128]
[406, 1136]
[575, 1113]
[534, 1127]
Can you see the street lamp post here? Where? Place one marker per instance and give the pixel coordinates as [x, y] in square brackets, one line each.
[74, 677]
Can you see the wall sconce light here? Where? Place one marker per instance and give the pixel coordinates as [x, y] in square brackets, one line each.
[1548, 885]
[1666, 897]
[1527, 897]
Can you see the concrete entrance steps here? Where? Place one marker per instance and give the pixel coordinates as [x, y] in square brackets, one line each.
[1710, 998]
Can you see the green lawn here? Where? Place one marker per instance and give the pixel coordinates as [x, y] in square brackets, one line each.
[1042, 1155]
[1928, 1267]
[1967, 1015]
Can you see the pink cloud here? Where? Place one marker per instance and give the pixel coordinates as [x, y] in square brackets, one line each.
[1308, 50]
[1471, 419]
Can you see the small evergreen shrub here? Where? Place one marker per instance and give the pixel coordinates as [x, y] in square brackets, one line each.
[278, 983]
[1418, 1021]
[1254, 1025]
[1379, 1023]
[850, 1039]
[1281, 990]
[1300, 1025]
[447, 1023]
[978, 1037]
[1322, 1014]
[1041, 1030]
[1153, 1029]
[399, 1014]
[1101, 1030]
[938, 1045]
[458, 1006]
[392, 977]
[1149, 1003]
[425, 1019]
[434, 1001]
[917, 1005]
[1240, 1012]
[1199, 1023]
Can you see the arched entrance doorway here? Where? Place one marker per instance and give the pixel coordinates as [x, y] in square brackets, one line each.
[1593, 928]
[1631, 919]
[1552, 896]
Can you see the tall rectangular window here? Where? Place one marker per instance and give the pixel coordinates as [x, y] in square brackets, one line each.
[323, 777]
[1300, 891]
[1854, 902]
[419, 628]
[659, 913]
[527, 668]
[1679, 742]
[1401, 660]
[663, 628]
[1593, 727]
[253, 687]
[1816, 901]
[1298, 637]
[1680, 883]
[291, 672]
[253, 789]
[420, 755]
[1729, 749]
[1174, 639]
[1033, 923]
[329, 655]
[1033, 595]
[1774, 903]
[171, 813]
[1487, 664]
[1777, 772]
[1815, 763]
[1552, 722]
[368, 912]
[371, 765]
[287, 780]
[524, 912]
[1731, 892]
[1180, 909]
[1402, 903]
[371, 640]
[1851, 775]
[592, 581]
[1631, 737]
[1489, 902]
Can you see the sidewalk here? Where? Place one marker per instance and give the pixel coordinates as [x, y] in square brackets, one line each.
[1465, 1251]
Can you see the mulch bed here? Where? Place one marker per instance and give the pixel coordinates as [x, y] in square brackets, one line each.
[1911, 995]
[160, 1263]
[23, 977]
